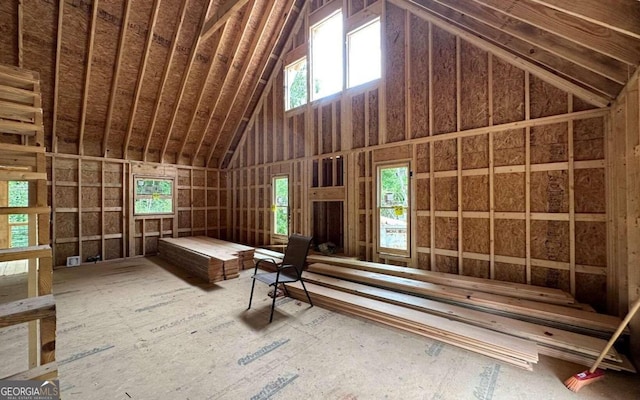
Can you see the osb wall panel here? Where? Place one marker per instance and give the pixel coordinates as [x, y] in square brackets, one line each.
[486, 170]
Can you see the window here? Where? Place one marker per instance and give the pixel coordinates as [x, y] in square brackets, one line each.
[281, 205]
[364, 54]
[326, 56]
[18, 223]
[153, 196]
[393, 208]
[295, 76]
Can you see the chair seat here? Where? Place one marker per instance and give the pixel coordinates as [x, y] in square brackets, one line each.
[270, 278]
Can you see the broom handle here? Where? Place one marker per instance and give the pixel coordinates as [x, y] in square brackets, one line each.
[615, 336]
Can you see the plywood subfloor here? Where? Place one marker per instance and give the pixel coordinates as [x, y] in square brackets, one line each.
[143, 329]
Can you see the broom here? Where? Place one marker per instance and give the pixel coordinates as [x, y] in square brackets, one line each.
[593, 374]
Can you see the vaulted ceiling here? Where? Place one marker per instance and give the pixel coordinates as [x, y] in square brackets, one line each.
[177, 80]
[592, 43]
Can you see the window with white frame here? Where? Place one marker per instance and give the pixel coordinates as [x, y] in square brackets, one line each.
[153, 196]
[281, 205]
[326, 56]
[295, 76]
[364, 55]
[393, 209]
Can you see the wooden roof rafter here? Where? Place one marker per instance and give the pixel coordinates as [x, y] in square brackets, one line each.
[508, 56]
[87, 76]
[619, 15]
[260, 32]
[611, 43]
[165, 75]
[114, 81]
[218, 95]
[563, 66]
[267, 85]
[202, 89]
[185, 77]
[140, 80]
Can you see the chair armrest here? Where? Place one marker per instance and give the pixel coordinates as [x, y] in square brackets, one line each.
[267, 260]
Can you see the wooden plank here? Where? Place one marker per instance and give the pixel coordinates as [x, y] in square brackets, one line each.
[517, 308]
[222, 14]
[258, 37]
[507, 56]
[19, 128]
[183, 83]
[87, 76]
[517, 290]
[29, 309]
[116, 77]
[42, 372]
[557, 338]
[551, 50]
[141, 71]
[19, 112]
[24, 210]
[619, 15]
[165, 75]
[17, 95]
[20, 148]
[603, 40]
[25, 253]
[12, 175]
[451, 332]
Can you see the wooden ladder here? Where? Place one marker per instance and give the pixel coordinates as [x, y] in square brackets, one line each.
[22, 158]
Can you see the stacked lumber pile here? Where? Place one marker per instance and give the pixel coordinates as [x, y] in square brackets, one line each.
[269, 255]
[202, 257]
[244, 253]
[485, 311]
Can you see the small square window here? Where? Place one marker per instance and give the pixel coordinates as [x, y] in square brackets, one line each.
[364, 54]
[326, 57]
[295, 76]
[153, 196]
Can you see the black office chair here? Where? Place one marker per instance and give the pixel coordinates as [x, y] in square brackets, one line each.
[289, 270]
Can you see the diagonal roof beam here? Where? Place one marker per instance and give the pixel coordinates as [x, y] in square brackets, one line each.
[260, 32]
[619, 15]
[165, 75]
[185, 77]
[505, 55]
[267, 87]
[611, 43]
[116, 77]
[221, 16]
[563, 66]
[225, 79]
[194, 112]
[596, 62]
[141, 71]
[87, 76]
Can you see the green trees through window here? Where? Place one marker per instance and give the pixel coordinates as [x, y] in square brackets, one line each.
[296, 84]
[153, 196]
[19, 223]
[393, 206]
[281, 205]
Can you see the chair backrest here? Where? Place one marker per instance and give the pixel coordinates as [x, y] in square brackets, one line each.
[296, 252]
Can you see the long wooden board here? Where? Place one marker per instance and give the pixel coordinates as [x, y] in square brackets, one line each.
[522, 291]
[556, 338]
[500, 346]
[516, 308]
[29, 309]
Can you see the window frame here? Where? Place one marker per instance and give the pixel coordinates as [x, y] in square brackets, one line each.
[362, 25]
[275, 206]
[137, 178]
[390, 250]
[310, 60]
[286, 83]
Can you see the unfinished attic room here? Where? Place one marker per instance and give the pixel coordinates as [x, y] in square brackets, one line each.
[323, 199]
